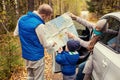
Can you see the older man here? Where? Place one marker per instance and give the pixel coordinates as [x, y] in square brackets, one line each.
[31, 30]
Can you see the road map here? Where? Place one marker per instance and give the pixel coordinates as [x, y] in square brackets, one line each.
[56, 29]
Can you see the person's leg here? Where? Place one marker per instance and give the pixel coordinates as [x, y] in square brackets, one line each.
[30, 74]
[68, 77]
[88, 69]
[87, 77]
[39, 71]
[80, 75]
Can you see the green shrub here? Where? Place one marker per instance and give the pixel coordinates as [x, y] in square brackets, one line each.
[10, 57]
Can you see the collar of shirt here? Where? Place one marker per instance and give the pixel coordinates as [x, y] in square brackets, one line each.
[72, 53]
[37, 14]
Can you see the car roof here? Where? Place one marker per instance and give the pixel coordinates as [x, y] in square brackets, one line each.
[113, 14]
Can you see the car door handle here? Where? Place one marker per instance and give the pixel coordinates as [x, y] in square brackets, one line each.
[104, 63]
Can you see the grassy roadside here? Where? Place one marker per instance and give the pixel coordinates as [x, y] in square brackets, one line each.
[10, 55]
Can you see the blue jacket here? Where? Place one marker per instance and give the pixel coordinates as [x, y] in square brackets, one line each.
[31, 46]
[68, 62]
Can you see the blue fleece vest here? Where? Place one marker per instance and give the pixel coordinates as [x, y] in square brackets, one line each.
[31, 46]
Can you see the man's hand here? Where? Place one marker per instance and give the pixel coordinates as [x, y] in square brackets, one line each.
[74, 17]
[54, 44]
[70, 35]
[60, 50]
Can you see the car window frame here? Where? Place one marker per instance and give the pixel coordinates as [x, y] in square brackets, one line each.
[109, 47]
[113, 17]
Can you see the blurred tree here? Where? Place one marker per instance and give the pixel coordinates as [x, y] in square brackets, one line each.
[13, 9]
[101, 7]
[30, 5]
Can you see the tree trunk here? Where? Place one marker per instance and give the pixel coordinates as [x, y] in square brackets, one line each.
[16, 8]
[50, 2]
[4, 7]
[30, 5]
[60, 6]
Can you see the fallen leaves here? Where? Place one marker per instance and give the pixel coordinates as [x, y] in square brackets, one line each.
[21, 73]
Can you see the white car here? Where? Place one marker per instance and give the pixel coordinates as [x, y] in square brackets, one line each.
[106, 52]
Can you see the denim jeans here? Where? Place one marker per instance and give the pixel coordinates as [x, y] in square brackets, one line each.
[80, 75]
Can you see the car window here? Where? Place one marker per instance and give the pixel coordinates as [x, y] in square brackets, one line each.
[83, 31]
[79, 27]
[112, 40]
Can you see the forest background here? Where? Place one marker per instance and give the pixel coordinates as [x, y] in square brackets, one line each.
[11, 10]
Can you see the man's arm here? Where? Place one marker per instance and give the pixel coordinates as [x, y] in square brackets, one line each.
[40, 31]
[82, 21]
[16, 32]
[111, 31]
[85, 23]
[82, 42]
